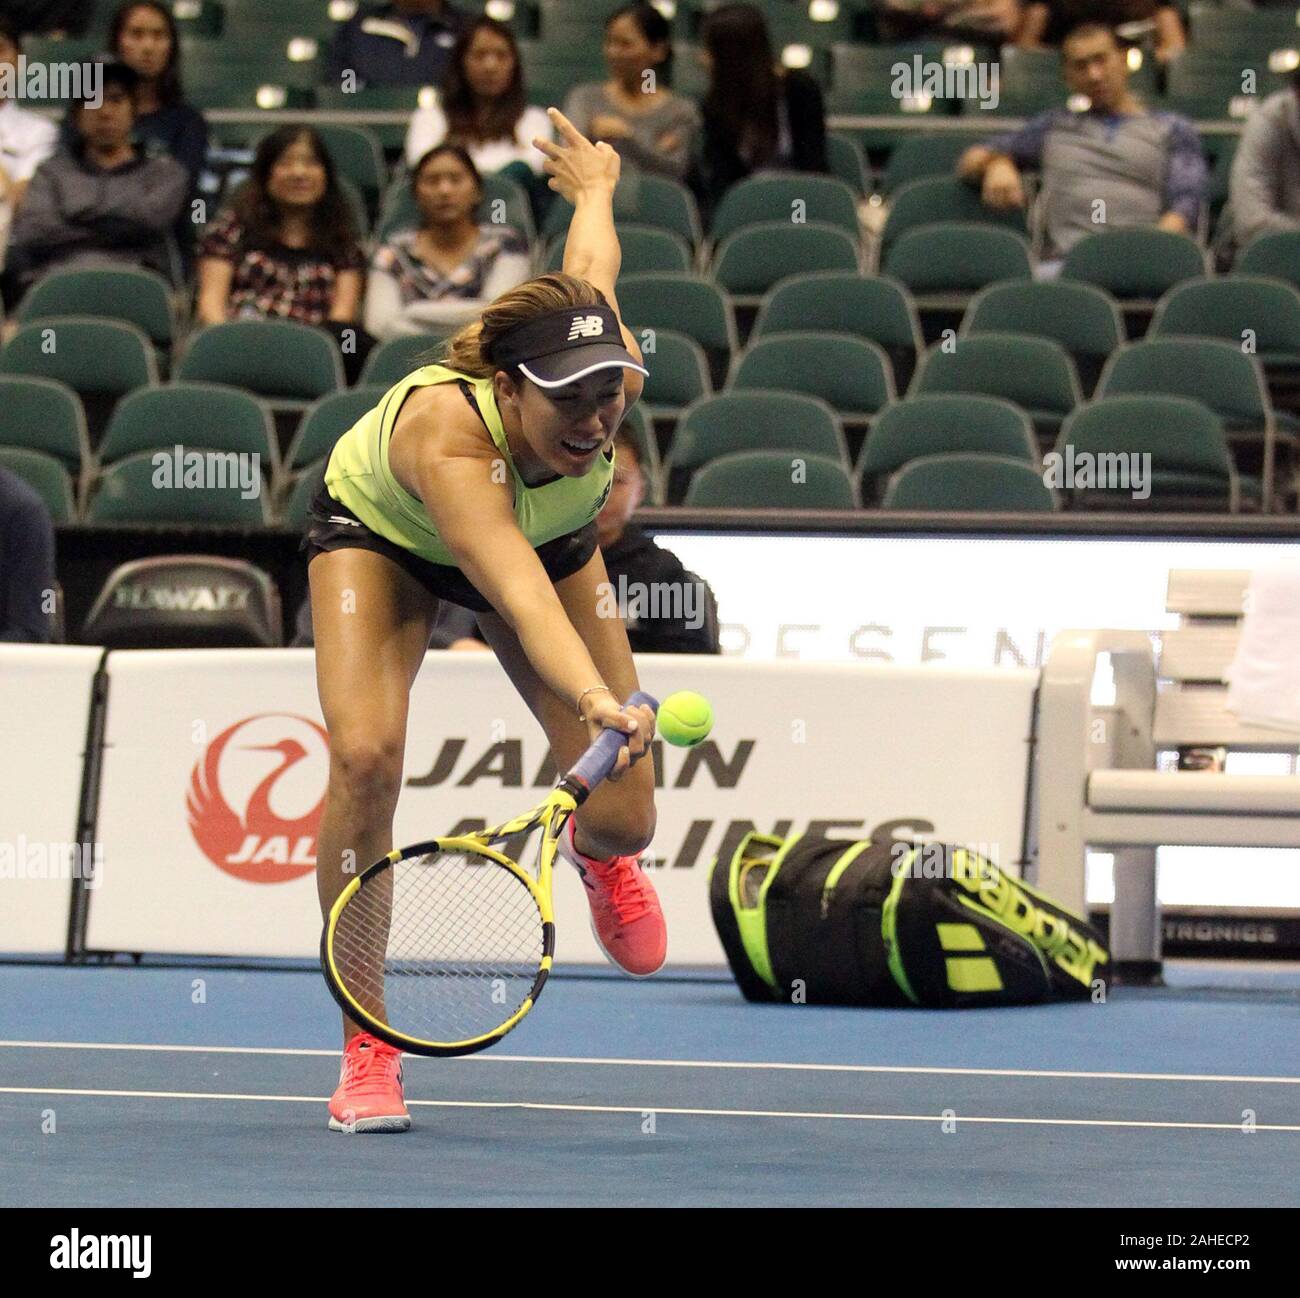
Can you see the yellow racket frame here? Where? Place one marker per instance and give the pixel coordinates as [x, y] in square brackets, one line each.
[552, 815]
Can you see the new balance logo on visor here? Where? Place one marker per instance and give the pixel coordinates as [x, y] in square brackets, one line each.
[586, 326]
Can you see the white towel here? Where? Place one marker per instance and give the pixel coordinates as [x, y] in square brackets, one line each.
[1264, 678]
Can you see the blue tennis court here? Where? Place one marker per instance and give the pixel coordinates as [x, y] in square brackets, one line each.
[191, 1086]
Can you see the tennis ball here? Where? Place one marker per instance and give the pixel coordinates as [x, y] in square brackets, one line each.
[685, 718]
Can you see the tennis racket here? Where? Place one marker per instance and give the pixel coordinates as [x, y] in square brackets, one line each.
[442, 947]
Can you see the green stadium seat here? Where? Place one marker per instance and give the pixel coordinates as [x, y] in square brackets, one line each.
[1029, 82]
[1189, 460]
[1034, 373]
[640, 427]
[100, 360]
[1276, 255]
[550, 72]
[1232, 308]
[1218, 374]
[1233, 33]
[244, 81]
[127, 494]
[956, 257]
[646, 250]
[640, 199]
[790, 199]
[46, 476]
[393, 360]
[287, 363]
[748, 263]
[801, 24]
[688, 304]
[852, 375]
[942, 198]
[44, 415]
[975, 483]
[198, 20]
[871, 307]
[377, 99]
[924, 156]
[137, 296]
[772, 480]
[1210, 85]
[282, 19]
[679, 373]
[1085, 320]
[326, 420]
[303, 488]
[756, 419]
[847, 161]
[862, 77]
[1134, 263]
[202, 416]
[942, 424]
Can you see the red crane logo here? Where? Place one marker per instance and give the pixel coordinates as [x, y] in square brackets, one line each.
[260, 846]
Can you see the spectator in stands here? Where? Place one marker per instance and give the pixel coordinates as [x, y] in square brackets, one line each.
[144, 37]
[683, 615]
[287, 249]
[1117, 164]
[26, 564]
[403, 43]
[1264, 184]
[26, 138]
[634, 110]
[1046, 24]
[757, 114]
[994, 22]
[483, 108]
[100, 200]
[446, 271]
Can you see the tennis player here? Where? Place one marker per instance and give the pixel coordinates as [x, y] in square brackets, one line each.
[479, 481]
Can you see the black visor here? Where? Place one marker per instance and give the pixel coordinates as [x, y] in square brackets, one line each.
[563, 346]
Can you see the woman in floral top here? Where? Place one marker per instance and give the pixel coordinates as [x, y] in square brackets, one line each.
[449, 269]
[287, 249]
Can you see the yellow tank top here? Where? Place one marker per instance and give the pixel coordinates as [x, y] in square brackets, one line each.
[358, 476]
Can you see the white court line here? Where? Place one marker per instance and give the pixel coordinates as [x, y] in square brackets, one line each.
[643, 1109]
[496, 1058]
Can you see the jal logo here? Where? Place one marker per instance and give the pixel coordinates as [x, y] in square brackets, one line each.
[255, 797]
[586, 326]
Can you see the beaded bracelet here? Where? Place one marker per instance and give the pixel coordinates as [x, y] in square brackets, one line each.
[590, 690]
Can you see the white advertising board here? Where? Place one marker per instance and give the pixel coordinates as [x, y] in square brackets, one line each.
[44, 707]
[960, 601]
[215, 768]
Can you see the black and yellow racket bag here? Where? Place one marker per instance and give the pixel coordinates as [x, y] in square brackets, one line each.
[894, 922]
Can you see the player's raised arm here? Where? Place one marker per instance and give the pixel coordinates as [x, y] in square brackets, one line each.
[585, 174]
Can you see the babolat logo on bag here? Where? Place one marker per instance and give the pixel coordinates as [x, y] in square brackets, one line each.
[830, 922]
[586, 326]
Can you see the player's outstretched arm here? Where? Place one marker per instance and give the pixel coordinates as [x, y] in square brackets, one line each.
[585, 174]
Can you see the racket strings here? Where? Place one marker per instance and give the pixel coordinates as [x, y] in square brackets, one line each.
[443, 947]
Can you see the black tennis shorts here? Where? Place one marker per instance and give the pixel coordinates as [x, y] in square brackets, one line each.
[332, 526]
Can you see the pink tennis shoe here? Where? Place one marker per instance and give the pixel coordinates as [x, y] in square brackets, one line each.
[369, 1097]
[626, 918]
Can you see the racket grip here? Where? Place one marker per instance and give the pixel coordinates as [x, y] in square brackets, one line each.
[600, 759]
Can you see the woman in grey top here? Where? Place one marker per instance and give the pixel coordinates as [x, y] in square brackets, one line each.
[635, 111]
